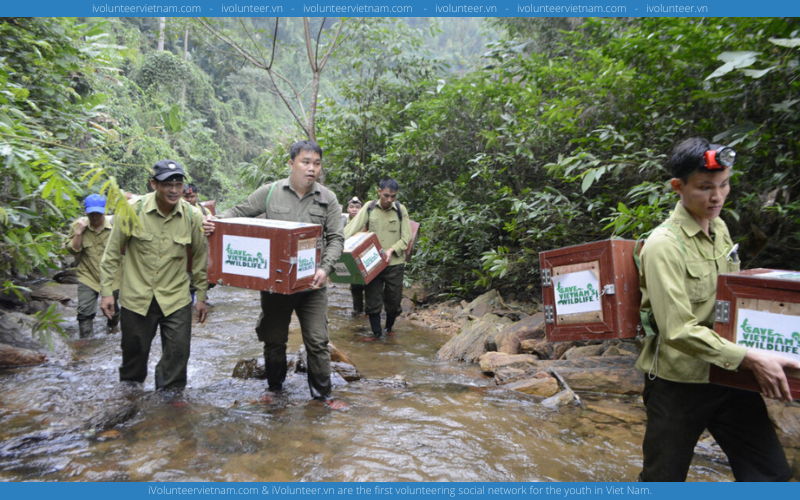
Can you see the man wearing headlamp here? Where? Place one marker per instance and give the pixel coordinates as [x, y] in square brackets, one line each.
[678, 277]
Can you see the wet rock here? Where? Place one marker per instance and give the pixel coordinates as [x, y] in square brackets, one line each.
[15, 356]
[16, 330]
[469, 344]
[583, 352]
[493, 361]
[508, 339]
[407, 305]
[540, 348]
[560, 348]
[36, 306]
[786, 419]
[416, 293]
[396, 382]
[248, 368]
[482, 305]
[611, 375]
[563, 398]
[544, 387]
[56, 292]
[345, 370]
[115, 414]
[616, 351]
[620, 411]
[10, 299]
[337, 355]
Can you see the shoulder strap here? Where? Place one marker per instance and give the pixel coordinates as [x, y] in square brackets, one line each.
[370, 207]
[323, 194]
[399, 212]
[269, 195]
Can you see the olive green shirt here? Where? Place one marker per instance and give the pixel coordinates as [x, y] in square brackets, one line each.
[315, 207]
[386, 226]
[89, 255]
[678, 279]
[156, 258]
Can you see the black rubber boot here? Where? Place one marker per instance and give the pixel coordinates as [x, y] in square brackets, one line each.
[375, 324]
[86, 327]
[390, 323]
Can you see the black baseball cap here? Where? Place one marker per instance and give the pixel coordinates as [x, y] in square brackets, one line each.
[165, 169]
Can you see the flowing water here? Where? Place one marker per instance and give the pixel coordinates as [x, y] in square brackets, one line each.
[411, 418]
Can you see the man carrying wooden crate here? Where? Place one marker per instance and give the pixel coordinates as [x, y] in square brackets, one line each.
[678, 277]
[298, 198]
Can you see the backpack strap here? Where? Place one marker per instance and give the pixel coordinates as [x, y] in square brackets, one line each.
[374, 203]
[269, 195]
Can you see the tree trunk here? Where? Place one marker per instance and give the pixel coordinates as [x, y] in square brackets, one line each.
[185, 57]
[162, 25]
[13, 356]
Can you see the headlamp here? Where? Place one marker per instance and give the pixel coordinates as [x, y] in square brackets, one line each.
[717, 159]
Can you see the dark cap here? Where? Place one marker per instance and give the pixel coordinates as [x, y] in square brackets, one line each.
[354, 201]
[165, 169]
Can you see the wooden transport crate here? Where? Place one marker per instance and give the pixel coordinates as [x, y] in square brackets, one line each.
[361, 260]
[210, 205]
[759, 309]
[263, 254]
[591, 291]
[414, 232]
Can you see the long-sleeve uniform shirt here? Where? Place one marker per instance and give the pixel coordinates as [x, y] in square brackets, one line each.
[678, 279]
[315, 207]
[387, 227]
[90, 253]
[156, 258]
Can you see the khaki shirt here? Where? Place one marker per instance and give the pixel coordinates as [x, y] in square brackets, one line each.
[678, 279]
[286, 205]
[89, 255]
[386, 226]
[156, 258]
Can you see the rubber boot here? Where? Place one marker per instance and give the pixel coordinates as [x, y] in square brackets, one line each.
[390, 324]
[86, 327]
[375, 324]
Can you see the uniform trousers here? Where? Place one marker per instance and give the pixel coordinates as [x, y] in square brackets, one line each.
[273, 330]
[677, 414]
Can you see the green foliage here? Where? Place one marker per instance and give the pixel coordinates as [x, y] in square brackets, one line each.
[47, 322]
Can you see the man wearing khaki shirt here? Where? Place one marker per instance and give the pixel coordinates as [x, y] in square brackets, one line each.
[155, 285]
[298, 198]
[388, 219]
[87, 241]
[678, 277]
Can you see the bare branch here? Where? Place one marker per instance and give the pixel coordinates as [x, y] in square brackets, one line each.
[235, 46]
[253, 41]
[274, 43]
[334, 43]
[308, 45]
[286, 102]
[319, 35]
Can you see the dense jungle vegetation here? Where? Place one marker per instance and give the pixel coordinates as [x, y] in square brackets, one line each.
[508, 136]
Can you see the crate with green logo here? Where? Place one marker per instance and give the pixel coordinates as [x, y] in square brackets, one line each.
[263, 254]
[361, 260]
[590, 291]
[758, 309]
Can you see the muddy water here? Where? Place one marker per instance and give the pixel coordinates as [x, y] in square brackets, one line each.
[411, 419]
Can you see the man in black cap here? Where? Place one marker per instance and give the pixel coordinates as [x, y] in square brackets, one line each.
[155, 285]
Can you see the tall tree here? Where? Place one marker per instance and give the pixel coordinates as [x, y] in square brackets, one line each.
[247, 47]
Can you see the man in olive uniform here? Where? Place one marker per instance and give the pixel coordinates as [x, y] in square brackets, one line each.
[298, 198]
[356, 291]
[155, 285]
[388, 219]
[679, 266]
[87, 241]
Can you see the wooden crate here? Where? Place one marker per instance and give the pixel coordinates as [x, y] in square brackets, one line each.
[210, 206]
[361, 260]
[759, 309]
[591, 291]
[414, 232]
[262, 254]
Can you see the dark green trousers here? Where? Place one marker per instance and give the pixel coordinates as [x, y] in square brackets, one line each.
[273, 330]
[385, 291]
[138, 333]
[677, 414]
[87, 302]
[357, 291]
